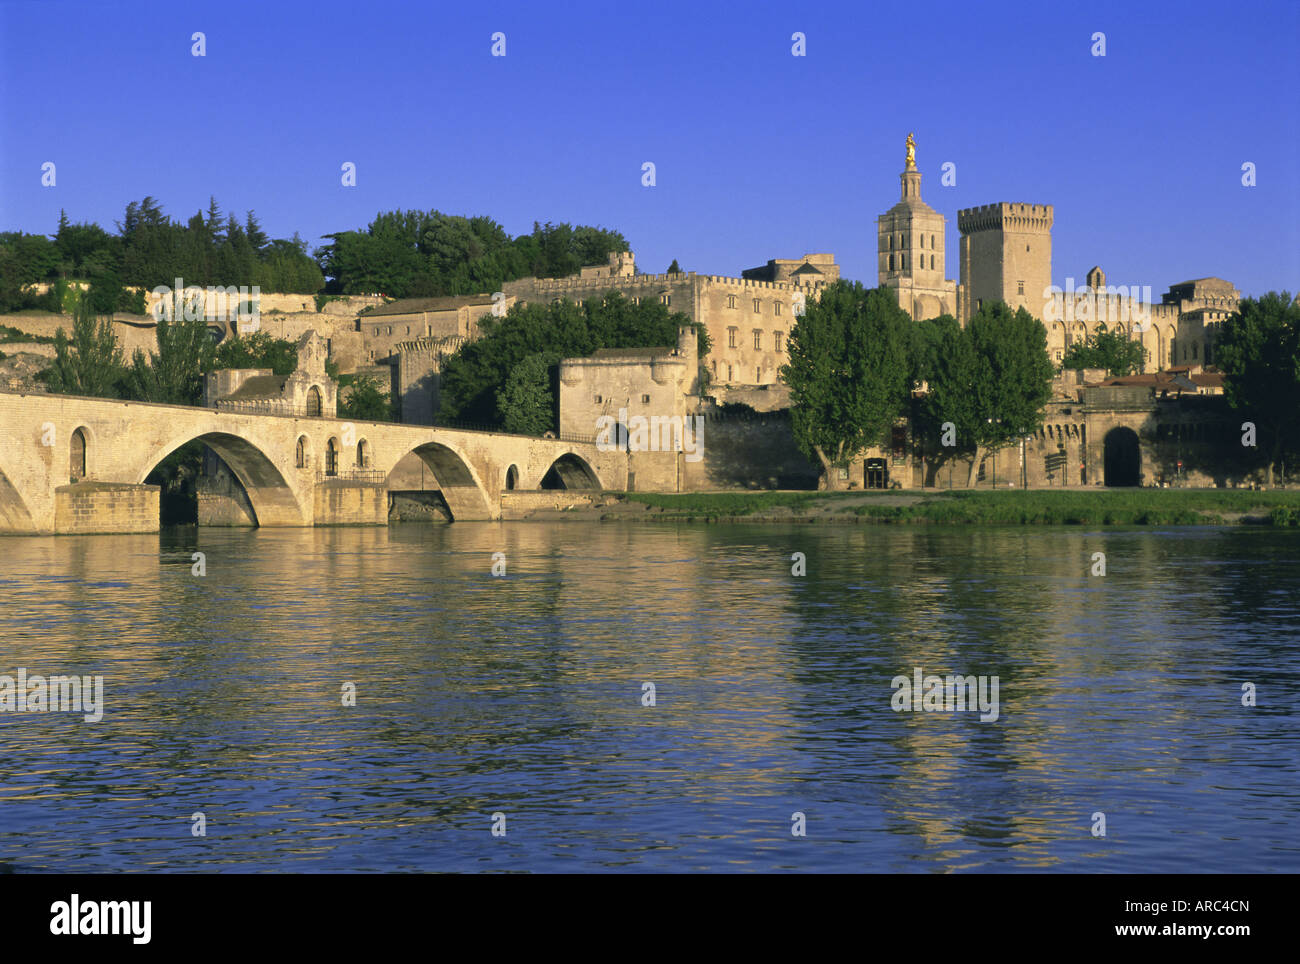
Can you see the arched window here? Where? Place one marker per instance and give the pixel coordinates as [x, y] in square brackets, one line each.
[313, 402]
[932, 244]
[512, 478]
[931, 262]
[300, 458]
[891, 262]
[332, 457]
[891, 242]
[77, 456]
[363, 454]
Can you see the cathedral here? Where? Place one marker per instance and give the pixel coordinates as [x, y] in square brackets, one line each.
[1006, 255]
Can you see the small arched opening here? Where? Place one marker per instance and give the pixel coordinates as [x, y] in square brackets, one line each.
[302, 454]
[512, 478]
[332, 457]
[313, 402]
[363, 454]
[77, 456]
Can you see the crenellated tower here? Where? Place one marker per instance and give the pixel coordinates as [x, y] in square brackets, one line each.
[1006, 255]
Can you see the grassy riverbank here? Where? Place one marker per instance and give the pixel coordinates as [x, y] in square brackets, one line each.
[1118, 507]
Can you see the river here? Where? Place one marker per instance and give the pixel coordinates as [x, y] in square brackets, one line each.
[772, 709]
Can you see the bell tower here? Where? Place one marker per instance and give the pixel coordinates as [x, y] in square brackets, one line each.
[910, 249]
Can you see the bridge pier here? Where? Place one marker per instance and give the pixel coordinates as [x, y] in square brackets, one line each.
[344, 502]
[105, 507]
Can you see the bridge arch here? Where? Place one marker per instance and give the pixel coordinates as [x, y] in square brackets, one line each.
[457, 481]
[15, 517]
[570, 471]
[273, 499]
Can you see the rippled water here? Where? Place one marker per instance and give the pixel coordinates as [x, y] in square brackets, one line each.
[523, 695]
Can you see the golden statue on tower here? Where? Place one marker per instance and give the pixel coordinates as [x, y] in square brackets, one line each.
[911, 152]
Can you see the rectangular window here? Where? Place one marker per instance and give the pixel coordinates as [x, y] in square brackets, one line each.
[599, 400]
[666, 299]
[731, 337]
[1020, 287]
[776, 336]
[776, 308]
[731, 301]
[645, 399]
[758, 340]
[758, 376]
[757, 306]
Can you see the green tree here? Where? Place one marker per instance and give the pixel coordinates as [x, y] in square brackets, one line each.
[366, 401]
[849, 373]
[1113, 351]
[991, 381]
[1259, 354]
[526, 403]
[257, 350]
[928, 339]
[473, 378]
[90, 363]
[173, 375]
[673, 268]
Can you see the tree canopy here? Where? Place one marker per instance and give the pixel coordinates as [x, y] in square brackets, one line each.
[1112, 350]
[991, 382]
[477, 379]
[849, 372]
[427, 254]
[1259, 354]
[148, 250]
[88, 363]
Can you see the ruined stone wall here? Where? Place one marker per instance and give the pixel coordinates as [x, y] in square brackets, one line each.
[756, 452]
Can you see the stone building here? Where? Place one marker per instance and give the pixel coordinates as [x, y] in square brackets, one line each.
[811, 267]
[417, 376]
[609, 394]
[1180, 328]
[386, 327]
[308, 391]
[747, 318]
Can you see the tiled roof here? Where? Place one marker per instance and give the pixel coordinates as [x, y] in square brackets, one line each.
[410, 306]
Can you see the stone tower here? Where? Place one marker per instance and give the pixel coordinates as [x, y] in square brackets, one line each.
[910, 250]
[1006, 255]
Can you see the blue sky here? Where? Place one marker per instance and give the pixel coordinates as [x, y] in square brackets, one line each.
[758, 153]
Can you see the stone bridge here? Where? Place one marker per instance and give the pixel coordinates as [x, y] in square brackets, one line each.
[71, 464]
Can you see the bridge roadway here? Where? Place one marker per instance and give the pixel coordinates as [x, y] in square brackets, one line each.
[280, 462]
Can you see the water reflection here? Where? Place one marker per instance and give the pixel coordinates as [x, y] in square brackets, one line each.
[524, 695]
